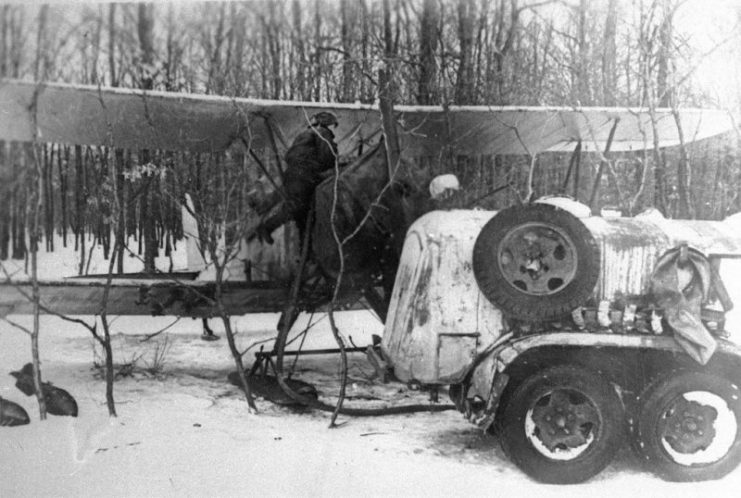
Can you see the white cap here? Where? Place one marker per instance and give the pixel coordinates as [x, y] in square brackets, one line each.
[443, 183]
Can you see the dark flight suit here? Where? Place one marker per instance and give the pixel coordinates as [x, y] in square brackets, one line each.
[311, 155]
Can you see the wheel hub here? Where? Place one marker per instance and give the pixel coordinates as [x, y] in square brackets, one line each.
[564, 419]
[688, 426]
[537, 259]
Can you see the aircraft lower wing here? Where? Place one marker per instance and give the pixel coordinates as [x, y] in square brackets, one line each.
[156, 296]
[88, 115]
[163, 294]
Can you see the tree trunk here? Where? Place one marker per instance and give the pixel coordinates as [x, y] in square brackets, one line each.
[274, 51]
[39, 67]
[465, 77]
[19, 200]
[80, 202]
[609, 56]
[664, 55]
[348, 77]
[63, 166]
[582, 86]
[145, 29]
[4, 39]
[105, 341]
[301, 70]
[387, 93]
[503, 42]
[215, 83]
[120, 230]
[112, 44]
[36, 198]
[47, 169]
[683, 171]
[5, 205]
[428, 38]
[318, 73]
[366, 92]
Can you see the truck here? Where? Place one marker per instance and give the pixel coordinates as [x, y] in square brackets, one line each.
[567, 334]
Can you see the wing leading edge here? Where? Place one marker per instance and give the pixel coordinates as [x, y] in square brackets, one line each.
[88, 115]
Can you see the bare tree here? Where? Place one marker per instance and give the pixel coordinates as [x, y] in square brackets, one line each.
[145, 31]
[609, 56]
[465, 75]
[428, 40]
[36, 207]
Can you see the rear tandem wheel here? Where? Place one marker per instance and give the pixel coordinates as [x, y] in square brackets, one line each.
[689, 426]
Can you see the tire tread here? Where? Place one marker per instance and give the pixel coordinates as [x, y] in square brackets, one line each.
[535, 308]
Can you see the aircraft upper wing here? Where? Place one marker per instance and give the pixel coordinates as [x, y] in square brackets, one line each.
[89, 115]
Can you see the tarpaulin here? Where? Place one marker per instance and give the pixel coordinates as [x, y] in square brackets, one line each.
[680, 283]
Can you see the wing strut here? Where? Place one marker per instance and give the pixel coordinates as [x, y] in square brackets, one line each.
[574, 164]
[598, 178]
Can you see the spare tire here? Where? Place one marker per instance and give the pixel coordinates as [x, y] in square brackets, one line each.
[536, 262]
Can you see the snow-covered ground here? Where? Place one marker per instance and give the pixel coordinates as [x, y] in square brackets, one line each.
[185, 431]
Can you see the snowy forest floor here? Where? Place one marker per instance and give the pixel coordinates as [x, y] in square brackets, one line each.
[185, 430]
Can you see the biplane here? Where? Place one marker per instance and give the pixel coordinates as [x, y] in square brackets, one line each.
[123, 118]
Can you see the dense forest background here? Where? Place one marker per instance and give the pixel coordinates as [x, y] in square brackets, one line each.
[637, 53]
[509, 52]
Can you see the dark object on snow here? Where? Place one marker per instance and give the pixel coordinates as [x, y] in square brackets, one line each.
[266, 386]
[24, 378]
[12, 414]
[58, 401]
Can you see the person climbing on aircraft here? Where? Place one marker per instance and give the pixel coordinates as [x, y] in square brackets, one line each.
[310, 158]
